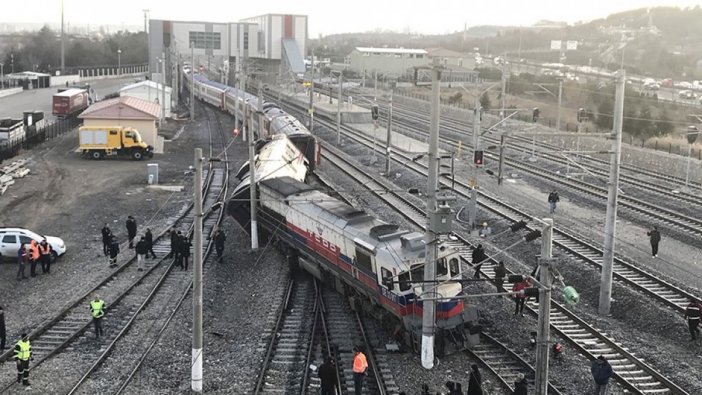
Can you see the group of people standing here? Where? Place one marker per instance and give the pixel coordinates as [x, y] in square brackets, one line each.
[180, 249]
[110, 245]
[34, 253]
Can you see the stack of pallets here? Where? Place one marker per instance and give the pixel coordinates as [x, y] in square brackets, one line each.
[9, 173]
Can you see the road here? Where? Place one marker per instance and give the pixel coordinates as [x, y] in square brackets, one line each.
[40, 99]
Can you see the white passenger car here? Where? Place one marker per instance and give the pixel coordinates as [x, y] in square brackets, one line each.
[12, 238]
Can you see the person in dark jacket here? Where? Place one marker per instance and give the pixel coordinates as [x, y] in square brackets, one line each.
[219, 240]
[601, 373]
[519, 299]
[149, 243]
[478, 257]
[692, 313]
[113, 251]
[174, 244]
[458, 388]
[2, 330]
[327, 376]
[106, 236]
[22, 257]
[521, 385]
[553, 198]
[141, 251]
[131, 230]
[500, 273]
[184, 247]
[475, 384]
[655, 238]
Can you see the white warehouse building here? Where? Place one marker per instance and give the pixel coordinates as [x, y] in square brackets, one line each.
[397, 62]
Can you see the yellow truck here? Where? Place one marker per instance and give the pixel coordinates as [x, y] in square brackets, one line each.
[99, 141]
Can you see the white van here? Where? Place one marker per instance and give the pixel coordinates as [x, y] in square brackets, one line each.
[12, 238]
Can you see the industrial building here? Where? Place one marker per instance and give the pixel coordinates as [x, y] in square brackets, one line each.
[267, 44]
[395, 62]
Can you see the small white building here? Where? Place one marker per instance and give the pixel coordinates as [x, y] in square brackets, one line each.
[399, 62]
[148, 91]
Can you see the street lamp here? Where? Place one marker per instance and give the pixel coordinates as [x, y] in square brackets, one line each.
[119, 61]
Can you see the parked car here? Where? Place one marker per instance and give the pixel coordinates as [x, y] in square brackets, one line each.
[687, 94]
[12, 238]
[667, 82]
[685, 85]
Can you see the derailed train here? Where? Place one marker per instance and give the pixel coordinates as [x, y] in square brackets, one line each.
[275, 120]
[375, 263]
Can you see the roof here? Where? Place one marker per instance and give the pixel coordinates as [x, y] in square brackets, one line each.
[70, 92]
[446, 53]
[391, 50]
[148, 83]
[123, 107]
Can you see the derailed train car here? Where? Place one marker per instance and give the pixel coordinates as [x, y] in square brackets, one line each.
[275, 120]
[376, 264]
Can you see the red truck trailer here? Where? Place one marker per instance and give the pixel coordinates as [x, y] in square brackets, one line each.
[69, 102]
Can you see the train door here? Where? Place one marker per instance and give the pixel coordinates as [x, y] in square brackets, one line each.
[364, 264]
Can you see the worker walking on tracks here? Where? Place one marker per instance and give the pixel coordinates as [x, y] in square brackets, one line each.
[33, 258]
[184, 246]
[150, 243]
[519, 298]
[327, 376]
[500, 273]
[106, 238]
[131, 230]
[478, 257]
[692, 313]
[23, 353]
[219, 240]
[97, 310]
[521, 385]
[601, 373]
[553, 199]
[141, 251]
[113, 251]
[45, 256]
[654, 238]
[360, 366]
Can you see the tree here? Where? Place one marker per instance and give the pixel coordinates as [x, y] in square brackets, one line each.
[663, 125]
[604, 118]
[485, 101]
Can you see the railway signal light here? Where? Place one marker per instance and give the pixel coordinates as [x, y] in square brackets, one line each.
[582, 115]
[692, 133]
[535, 114]
[478, 157]
[375, 112]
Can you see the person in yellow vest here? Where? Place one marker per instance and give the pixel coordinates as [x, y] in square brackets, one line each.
[97, 309]
[360, 365]
[23, 353]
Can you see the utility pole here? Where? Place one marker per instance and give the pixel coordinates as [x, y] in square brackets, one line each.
[560, 94]
[261, 131]
[176, 77]
[543, 338]
[338, 110]
[63, 45]
[311, 109]
[473, 208]
[163, 87]
[146, 18]
[388, 139]
[503, 93]
[252, 178]
[192, 81]
[196, 363]
[611, 216]
[429, 315]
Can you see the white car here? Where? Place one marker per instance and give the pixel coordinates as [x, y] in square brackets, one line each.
[687, 94]
[12, 238]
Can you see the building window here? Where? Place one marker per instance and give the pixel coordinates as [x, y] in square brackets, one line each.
[420, 56]
[206, 40]
[246, 41]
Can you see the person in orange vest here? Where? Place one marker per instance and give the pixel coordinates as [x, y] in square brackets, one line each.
[360, 365]
[45, 257]
[33, 257]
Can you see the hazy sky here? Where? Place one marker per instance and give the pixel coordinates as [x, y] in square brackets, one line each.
[328, 17]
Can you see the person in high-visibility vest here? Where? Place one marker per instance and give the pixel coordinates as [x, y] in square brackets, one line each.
[45, 256]
[97, 309]
[33, 257]
[360, 365]
[23, 353]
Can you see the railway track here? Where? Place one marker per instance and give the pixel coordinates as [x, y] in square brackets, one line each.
[641, 208]
[129, 294]
[631, 372]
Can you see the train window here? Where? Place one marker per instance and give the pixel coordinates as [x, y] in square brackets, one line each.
[386, 278]
[454, 267]
[404, 279]
[441, 268]
[418, 274]
[363, 260]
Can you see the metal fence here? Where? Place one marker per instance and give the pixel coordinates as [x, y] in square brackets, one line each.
[35, 136]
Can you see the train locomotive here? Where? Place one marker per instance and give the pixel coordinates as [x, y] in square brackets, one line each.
[275, 120]
[377, 265]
